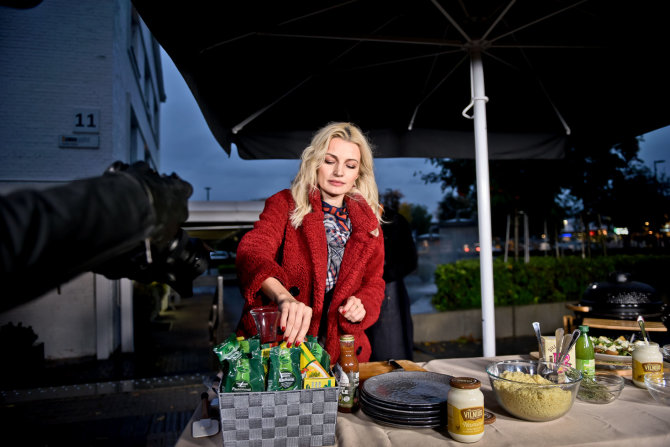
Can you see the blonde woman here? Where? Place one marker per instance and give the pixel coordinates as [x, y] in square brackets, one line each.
[317, 251]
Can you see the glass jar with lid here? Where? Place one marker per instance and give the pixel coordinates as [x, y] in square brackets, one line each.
[647, 358]
[465, 409]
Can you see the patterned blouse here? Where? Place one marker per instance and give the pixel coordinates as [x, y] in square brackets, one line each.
[338, 228]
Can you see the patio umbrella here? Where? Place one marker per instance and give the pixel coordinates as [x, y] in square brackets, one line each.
[559, 74]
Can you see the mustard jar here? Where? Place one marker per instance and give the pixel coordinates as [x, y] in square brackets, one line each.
[647, 358]
[465, 409]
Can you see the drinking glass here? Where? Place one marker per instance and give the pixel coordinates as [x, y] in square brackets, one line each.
[266, 319]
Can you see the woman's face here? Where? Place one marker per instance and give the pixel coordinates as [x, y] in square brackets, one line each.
[339, 171]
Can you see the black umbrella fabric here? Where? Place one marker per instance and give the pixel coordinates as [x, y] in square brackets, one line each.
[538, 77]
[268, 73]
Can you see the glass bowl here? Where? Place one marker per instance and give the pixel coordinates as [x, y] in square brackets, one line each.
[534, 391]
[600, 389]
[659, 386]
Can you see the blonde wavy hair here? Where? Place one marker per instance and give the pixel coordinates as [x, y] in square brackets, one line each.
[314, 156]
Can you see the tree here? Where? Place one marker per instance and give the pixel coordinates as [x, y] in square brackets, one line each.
[595, 184]
[516, 186]
[456, 206]
[417, 215]
[420, 219]
[614, 182]
[591, 176]
[638, 202]
[391, 199]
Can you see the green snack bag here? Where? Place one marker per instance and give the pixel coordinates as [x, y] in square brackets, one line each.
[269, 345]
[265, 357]
[250, 345]
[257, 371]
[242, 371]
[265, 349]
[320, 354]
[238, 377]
[228, 350]
[284, 369]
[246, 374]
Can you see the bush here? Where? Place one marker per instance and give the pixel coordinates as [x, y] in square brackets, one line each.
[542, 280]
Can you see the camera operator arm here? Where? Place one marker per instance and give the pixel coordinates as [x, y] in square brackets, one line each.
[51, 236]
[48, 237]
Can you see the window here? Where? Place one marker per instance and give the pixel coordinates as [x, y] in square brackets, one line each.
[148, 86]
[135, 138]
[135, 49]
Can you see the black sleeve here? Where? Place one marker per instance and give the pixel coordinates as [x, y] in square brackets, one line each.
[48, 237]
[400, 251]
[409, 254]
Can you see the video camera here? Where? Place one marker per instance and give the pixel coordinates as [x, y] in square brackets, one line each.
[177, 264]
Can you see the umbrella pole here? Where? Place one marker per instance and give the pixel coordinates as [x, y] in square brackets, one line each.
[483, 205]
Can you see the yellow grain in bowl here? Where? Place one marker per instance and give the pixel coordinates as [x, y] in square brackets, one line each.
[530, 401]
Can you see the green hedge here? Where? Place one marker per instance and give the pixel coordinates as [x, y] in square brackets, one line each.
[543, 279]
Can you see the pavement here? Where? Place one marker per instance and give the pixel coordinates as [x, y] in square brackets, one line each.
[147, 397]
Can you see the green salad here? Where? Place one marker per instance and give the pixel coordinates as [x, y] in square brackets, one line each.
[618, 346]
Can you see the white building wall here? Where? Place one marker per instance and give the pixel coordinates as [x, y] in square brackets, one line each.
[63, 319]
[57, 59]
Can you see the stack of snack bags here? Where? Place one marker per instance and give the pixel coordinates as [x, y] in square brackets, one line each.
[249, 366]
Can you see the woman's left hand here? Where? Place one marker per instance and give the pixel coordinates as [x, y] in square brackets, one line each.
[353, 310]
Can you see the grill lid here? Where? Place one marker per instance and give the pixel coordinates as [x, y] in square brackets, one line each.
[620, 297]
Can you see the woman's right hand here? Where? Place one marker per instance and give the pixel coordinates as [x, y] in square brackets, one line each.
[294, 320]
[295, 316]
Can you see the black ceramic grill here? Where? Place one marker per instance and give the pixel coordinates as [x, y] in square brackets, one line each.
[621, 298]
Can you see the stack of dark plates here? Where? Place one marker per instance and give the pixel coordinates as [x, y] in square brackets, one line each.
[406, 399]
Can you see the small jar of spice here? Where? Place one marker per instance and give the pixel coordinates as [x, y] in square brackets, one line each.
[465, 409]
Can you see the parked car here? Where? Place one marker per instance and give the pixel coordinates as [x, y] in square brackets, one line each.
[471, 248]
[475, 248]
[570, 246]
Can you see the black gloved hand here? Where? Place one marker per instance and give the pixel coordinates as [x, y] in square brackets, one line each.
[168, 195]
[174, 258]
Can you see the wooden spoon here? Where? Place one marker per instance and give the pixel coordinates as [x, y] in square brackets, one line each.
[559, 341]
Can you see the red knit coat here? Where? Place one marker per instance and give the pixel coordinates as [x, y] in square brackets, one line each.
[304, 267]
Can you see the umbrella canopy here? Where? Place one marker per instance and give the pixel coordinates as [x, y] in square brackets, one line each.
[558, 73]
[266, 74]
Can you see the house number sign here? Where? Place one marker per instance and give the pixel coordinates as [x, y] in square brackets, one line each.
[86, 121]
[85, 130]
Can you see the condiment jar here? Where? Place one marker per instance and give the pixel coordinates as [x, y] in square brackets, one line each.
[465, 409]
[647, 358]
[347, 375]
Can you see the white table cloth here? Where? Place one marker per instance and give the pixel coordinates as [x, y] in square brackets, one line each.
[635, 418]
